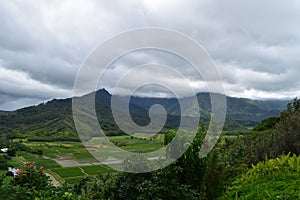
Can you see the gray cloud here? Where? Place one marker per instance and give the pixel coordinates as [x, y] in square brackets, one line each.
[255, 44]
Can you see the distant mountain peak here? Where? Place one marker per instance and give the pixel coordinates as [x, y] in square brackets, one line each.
[103, 91]
[54, 119]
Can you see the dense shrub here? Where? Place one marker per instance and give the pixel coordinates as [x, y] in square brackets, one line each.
[273, 179]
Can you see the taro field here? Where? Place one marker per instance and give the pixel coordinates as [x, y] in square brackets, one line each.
[70, 161]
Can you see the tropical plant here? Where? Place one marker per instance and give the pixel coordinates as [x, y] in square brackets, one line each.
[272, 179]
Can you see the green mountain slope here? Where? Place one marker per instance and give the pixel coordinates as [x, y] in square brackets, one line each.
[237, 108]
[54, 121]
[3, 112]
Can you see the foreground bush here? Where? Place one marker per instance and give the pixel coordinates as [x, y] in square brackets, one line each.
[31, 183]
[273, 179]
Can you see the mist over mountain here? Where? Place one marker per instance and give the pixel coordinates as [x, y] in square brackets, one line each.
[54, 119]
[237, 108]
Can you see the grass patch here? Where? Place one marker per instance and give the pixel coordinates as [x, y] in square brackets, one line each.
[52, 148]
[96, 169]
[73, 181]
[83, 155]
[131, 143]
[39, 160]
[47, 163]
[69, 172]
[27, 156]
[14, 163]
[145, 147]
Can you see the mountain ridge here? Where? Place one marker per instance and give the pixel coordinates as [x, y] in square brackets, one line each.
[237, 108]
[54, 119]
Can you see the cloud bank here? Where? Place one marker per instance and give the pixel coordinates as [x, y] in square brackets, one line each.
[255, 44]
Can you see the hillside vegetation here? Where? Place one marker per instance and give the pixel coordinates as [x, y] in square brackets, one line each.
[53, 120]
[276, 137]
[273, 179]
[262, 164]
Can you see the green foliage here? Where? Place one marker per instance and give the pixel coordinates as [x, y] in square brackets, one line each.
[4, 141]
[161, 184]
[234, 157]
[183, 179]
[25, 185]
[18, 146]
[267, 124]
[289, 128]
[31, 177]
[32, 183]
[272, 179]
[11, 152]
[189, 177]
[238, 125]
[13, 163]
[193, 170]
[3, 163]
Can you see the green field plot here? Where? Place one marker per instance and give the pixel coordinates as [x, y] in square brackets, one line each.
[69, 172]
[71, 155]
[84, 157]
[96, 169]
[128, 143]
[73, 181]
[39, 160]
[57, 147]
[47, 163]
[27, 156]
[143, 147]
[13, 163]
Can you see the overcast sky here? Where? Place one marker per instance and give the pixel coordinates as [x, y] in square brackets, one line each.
[255, 44]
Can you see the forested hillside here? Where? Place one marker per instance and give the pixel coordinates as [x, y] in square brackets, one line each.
[53, 120]
[237, 108]
[264, 164]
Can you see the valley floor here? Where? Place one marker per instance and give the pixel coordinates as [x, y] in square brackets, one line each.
[71, 161]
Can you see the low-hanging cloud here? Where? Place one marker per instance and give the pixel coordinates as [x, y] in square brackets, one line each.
[255, 44]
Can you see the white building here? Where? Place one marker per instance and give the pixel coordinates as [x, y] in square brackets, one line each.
[13, 170]
[4, 150]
